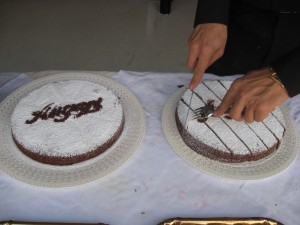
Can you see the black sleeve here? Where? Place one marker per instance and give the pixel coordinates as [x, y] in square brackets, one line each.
[288, 70]
[212, 11]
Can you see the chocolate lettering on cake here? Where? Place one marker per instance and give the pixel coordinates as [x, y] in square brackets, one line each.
[62, 113]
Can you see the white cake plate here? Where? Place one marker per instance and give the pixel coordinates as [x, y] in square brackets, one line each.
[266, 167]
[17, 165]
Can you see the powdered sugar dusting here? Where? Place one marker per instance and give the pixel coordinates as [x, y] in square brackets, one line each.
[75, 135]
[228, 135]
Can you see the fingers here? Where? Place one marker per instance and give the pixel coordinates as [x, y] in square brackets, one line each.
[261, 112]
[192, 59]
[226, 102]
[208, 57]
[194, 49]
[252, 97]
[206, 45]
[237, 110]
[249, 114]
[199, 60]
[239, 104]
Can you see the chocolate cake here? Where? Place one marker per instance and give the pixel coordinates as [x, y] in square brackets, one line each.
[67, 122]
[222, 138]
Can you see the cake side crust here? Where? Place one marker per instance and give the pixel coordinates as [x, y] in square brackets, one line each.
[215, 154]
[64, 161]
[67, 122]
[73, 117]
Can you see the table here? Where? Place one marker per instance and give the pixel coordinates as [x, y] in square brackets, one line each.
[155, 184]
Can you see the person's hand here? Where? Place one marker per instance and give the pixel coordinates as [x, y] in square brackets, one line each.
[252, 97]
[206, 45]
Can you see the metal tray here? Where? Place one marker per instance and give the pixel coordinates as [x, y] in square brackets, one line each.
[220, 221]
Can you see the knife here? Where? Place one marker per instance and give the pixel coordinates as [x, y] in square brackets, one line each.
[189, 107]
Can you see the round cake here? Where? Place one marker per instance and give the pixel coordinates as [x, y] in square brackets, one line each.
[67, 122]
[222, 138]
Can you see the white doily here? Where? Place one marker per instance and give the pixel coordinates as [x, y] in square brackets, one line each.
[15, 164]
[266, 167]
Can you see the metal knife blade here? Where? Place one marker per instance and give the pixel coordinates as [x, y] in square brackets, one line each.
[189, 106]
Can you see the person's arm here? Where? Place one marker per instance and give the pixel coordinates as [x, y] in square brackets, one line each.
[288, 70]
[212, 11]
[253, 96]
[208, 39]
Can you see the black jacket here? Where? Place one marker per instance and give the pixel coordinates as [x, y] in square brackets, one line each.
[274, 43]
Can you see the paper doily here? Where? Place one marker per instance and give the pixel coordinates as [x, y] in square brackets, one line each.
[15, 164]
[269, 166]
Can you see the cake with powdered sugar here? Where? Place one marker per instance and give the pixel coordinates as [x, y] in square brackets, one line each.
[67, 122]
[222, 138]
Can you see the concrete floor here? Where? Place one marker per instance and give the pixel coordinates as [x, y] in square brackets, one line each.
[103, 35]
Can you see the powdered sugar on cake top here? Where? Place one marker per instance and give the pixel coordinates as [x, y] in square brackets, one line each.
[223, 133]
[77, 134]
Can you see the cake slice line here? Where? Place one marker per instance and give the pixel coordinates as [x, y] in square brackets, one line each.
[245, 123]
[222, 118]
[271, 112]
[187, 105]
[231, 152]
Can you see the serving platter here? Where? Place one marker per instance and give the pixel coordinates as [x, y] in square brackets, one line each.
[20, 167]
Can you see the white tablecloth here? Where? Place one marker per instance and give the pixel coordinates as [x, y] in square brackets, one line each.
[155, 184]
